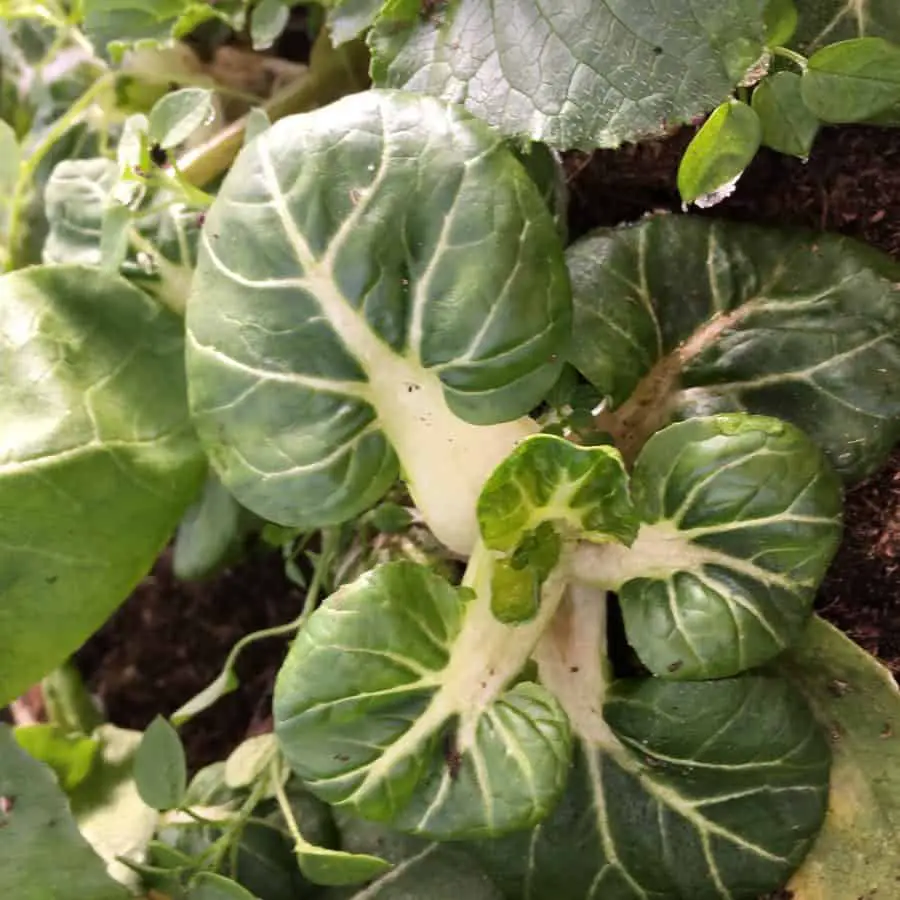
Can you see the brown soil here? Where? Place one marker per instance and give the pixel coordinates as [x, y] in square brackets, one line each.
[169, 640]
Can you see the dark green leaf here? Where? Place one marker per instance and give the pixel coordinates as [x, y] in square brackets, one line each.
[99, 459]
[781, 22]
[788, 126]
[70, 756]
[853, 80]
[159, 766]
[42, 854]
[209, 886]
[580, 75]
[719, 152]
[680, 316]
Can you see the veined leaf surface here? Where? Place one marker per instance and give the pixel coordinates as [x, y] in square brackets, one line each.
[378, 281]
[679, 316]
[97, 457]
[582, 74]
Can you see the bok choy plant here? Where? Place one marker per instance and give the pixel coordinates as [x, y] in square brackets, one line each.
[380, 292]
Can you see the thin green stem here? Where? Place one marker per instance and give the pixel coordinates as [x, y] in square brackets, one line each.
[29, 167]
[175, 281]
[798, 59]
[284, 804]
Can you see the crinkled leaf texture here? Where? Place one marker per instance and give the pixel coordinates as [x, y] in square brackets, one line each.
[42, 853]
[679, 316]
[741, 516]
[581, 74]
[715, 792]
[416, 724]
[97, 457]
[378, 280]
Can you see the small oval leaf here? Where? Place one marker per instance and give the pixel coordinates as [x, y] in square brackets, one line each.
[781, 18]
[267, 21]
[160, 768]
[209, 886]
[788, 126]
[175, 117]
[719, 152]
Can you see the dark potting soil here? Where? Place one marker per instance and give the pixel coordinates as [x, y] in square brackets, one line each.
[169, 639]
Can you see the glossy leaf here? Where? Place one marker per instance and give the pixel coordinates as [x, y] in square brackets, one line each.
[352, 304]
[719, 152]
[742, 516]
[853, 80]
[788, 126]
[42, 853]
[679, 316]
[69, 756]
[159, 766]
[98, 460]
[715, 790]
[856, 699]
[176, 116]
[416, 724]
[586, 75]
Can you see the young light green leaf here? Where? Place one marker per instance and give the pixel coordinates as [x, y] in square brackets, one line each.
[781, 20]
[572, 79]
[788, 126]
[417, 725]
[103, 443]
[159, 766]
[719, 153]
[471, 321]
[783, 323]
[856, 698]
[742, 516]
[853, 80]
[267, 21]
[732, 773]
[114, 238]
[69, 755]
[209, 886]
[223, 684]
[175, 117]
[249, 760]
[42, 853]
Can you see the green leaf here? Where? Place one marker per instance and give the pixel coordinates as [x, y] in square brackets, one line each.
[586, 75]
[9, 160]
[69, 755]
[160, 768]
[416, 724]
[212, 533]
[856, 698]
[267, 21]
[742, 518]
[222, 685]
[99, 459]
[781, 19]
[42, 854]
[679, 316]
[388, 332]
[705, 790]
[209, 886]
[348, 19]
[249, 760]
[853, 80]
[175, 117]
[788, 126]
[719, 152]
[108, 809]
[826, 21]
[336, 868]
[546, 169]
[114, 238]
[258, 121]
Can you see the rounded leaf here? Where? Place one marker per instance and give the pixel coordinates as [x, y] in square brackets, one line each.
[377, 279]
[160, 769]
[719, 791]
[744, 517]
[414, 725]
[97, 457]
[680, 316]
[788, 126]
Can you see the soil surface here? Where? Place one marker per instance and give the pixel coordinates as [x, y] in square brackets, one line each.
[170, 639]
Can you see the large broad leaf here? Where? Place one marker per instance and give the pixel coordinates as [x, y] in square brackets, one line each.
[584, 74]
[416, 724]
[827, 21]
[42, 855]
[856, 698]
[97, 458]
[685, 791]
[742, 516]
[679, 316]
[374, 278]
